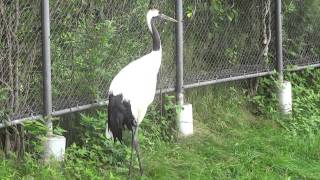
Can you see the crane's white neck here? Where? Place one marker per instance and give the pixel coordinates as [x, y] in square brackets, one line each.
[151, 14]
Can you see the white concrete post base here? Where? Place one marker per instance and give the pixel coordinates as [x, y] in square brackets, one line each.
[185, 120]
[54, 148]
[285, 98]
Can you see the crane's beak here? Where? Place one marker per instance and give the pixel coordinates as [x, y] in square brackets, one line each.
[162, 16]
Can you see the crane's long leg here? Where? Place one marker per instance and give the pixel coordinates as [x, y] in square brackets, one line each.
[132, 144]
[135, 145]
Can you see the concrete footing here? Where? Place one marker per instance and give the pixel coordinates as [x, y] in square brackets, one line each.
[54, 147]
[185, 120]
[285, 97]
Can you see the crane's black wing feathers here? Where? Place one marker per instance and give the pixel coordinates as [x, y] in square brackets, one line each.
[119, 115]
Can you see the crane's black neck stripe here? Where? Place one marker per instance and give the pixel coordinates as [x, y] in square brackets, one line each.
[155, 36]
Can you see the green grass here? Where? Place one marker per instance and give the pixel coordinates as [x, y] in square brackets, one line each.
[251, 152]
[229, 143]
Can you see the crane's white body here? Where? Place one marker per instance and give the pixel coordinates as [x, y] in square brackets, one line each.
[137, 83]
[133, 89]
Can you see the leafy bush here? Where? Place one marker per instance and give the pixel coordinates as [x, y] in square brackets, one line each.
[156, 127]
[89, 50]
[265, 100]
[306, 100]
[35, 135]
[92, 149]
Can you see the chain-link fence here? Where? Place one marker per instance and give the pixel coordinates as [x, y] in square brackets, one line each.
[301, 33]
[226, 39]
[92, 40]
[20, 59]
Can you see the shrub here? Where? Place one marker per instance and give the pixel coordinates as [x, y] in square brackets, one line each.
[306, 100]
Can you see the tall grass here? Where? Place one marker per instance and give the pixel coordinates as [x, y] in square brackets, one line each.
[230, 143]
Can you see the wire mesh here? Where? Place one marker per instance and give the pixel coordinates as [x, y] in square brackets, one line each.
[227, 39]
[92, 40]
[20, 64]
[301, 32]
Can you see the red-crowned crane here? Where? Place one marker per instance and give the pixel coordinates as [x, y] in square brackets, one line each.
[133, 89]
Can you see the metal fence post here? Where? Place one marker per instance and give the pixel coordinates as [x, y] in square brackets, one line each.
[179, 52]
[47, 92]
[279, 56]
[284, 89]
[184, 116]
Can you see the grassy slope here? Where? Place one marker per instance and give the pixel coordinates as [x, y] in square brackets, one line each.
[229, 143]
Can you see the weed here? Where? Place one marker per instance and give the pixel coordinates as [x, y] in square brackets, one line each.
[306, 100]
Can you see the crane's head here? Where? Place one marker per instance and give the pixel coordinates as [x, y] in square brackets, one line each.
[155, 14]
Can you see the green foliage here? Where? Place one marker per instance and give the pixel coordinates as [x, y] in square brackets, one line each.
[92, 149]
[305, 119]
[35, 135]
[219, 108]
[89, 45]
[222, 11]
[305, 35]
[306, 101]
[92, 146]
[30, 168]
[233, 31]
[6, 170]
[58, 130]
[266, 99]
[156, 127]
[91, 42]
[229, 143]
